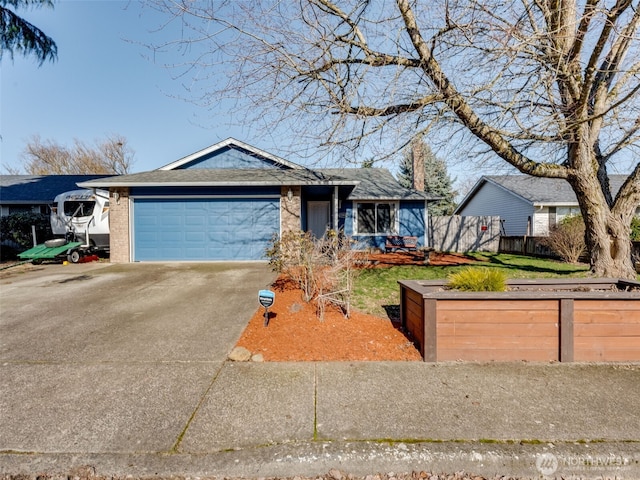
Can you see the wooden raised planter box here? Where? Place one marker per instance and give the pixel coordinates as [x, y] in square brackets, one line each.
[577, 320]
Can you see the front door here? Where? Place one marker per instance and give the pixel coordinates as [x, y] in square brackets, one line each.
[318, 217]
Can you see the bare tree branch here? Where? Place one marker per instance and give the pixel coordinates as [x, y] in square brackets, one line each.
[110, 156]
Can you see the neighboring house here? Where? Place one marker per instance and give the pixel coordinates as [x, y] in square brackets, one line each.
[34, 193]
[227, 201]
[526, 205]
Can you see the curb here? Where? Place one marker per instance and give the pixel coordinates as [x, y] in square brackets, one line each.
[578, 461]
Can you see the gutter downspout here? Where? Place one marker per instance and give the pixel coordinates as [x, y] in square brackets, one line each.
[334, 209]
[426, 224]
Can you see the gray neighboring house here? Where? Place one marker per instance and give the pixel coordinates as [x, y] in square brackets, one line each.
[526, 205]
[226, 202]
[34, 193]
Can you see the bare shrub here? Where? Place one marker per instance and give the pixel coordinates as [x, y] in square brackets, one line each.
[335, 284]
[294, 255]
[566, 239]
[323, 268]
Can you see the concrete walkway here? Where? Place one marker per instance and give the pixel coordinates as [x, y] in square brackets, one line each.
[130, 385]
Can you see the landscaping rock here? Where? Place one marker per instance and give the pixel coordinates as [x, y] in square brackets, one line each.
[335, 474]
[240, 354]
[258, 357]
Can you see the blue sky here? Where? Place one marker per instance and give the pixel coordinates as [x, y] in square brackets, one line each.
[104, 83]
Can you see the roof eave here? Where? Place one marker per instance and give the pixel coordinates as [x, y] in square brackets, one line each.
[555, 204]
[25, 202]
[216, 184]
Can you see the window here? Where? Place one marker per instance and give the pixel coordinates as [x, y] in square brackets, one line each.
[376, 218]
[567, 212]
[79, 209]
[19, 209]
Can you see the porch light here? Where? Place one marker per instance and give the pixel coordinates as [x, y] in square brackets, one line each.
[290, 194]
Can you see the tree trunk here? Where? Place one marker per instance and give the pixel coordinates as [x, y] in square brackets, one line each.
[610, 252]
[606, 235]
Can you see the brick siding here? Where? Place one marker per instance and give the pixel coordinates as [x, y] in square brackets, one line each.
[290, 209]
[119, 225]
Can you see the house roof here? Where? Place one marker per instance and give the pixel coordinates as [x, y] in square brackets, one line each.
[38, 189]
[231, 143]
[221, 178]
[537, 190]
[369, 184]
[377, 184]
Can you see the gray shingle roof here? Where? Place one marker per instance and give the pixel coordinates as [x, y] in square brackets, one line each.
[546, 190]
[370, 183]
[220, 177]
[377, 184]
[38, 189]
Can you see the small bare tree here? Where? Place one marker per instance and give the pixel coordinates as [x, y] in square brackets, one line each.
[550, 87]
[47, 157]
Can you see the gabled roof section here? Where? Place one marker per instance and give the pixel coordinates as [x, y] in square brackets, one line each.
[231, 144]
[377, 184]
[38, 189]
[537, 191]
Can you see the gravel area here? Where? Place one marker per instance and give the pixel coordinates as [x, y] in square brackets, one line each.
[88, 473]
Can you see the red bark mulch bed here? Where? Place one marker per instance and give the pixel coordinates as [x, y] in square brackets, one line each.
[295, 333]
[382, 260]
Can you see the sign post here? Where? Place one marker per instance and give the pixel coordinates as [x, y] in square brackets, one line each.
[266, 298]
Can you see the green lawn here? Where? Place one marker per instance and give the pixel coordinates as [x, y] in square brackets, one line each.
[376, 290]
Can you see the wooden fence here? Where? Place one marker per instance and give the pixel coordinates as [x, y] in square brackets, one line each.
[465, 234]
[523, 245]
[533, 246]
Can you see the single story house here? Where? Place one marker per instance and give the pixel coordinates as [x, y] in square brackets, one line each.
[34, 193]
[526, 205]
[226, 202]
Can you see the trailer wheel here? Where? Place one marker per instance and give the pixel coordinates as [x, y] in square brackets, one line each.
[55, 242]
[74, 256]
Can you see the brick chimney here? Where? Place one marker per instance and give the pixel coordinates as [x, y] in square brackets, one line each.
[417, 156]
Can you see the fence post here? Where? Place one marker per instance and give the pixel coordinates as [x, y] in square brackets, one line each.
[566, 330]
[430, 342]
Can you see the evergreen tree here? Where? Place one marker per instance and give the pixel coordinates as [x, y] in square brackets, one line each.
[18, 35]
[367, 163]
[436, 178]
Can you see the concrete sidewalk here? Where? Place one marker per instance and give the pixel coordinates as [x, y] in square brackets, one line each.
[286, 419]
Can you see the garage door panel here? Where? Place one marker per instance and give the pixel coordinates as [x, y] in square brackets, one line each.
[194, 237]
[195, 220]
[203, 229]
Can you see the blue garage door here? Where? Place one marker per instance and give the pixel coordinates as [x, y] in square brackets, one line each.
[203, 229]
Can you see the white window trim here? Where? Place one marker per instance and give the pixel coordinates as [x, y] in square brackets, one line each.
[396, 223]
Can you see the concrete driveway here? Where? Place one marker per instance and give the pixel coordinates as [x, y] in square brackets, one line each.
[126, 351]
